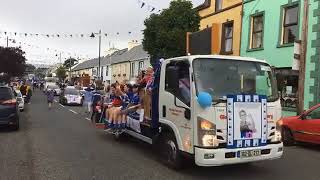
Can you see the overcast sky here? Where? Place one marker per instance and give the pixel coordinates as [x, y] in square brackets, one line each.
[73, 17]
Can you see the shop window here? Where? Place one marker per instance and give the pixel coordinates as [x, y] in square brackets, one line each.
[290, 27]
[257, 28]
[288, 80]
[227, 38]
[218, 5]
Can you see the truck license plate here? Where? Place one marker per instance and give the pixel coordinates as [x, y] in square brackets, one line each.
[250, 153]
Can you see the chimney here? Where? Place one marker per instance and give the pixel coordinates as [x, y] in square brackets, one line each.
[132, 44]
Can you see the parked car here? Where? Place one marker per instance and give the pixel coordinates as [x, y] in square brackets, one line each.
[9, 111]
[71, 96]
[55, 88]
[20, 100]
[303, 128]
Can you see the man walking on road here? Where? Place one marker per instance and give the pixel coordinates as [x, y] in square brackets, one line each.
[50, 98]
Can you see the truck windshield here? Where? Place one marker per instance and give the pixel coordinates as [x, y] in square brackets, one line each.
[221, 77]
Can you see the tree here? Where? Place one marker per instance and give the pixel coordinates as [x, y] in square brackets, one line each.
[61, 73]
[70, 63]
[165, 33]
[30, 69]
[12, 61]
[41, 72]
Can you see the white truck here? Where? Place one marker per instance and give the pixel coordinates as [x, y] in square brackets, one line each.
[217, 109]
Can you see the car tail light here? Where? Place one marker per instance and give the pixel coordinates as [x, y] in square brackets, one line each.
[10, 102]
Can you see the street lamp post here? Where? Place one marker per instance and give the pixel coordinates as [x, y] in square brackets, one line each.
[99, 68]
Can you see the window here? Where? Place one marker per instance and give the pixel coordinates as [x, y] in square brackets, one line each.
[290, 27]
[180, 89]
[257, 31]
[227, 38]
[141, 65]
[132, 70]
[315, 114]
[101, 72]
[218, 5]
[107, 71]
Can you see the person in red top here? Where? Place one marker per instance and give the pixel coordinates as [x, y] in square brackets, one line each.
[147, 79]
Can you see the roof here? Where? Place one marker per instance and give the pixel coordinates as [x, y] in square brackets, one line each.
[239, 58]
[204, 5]
[95, 62]
[134, 54]
[123, 55]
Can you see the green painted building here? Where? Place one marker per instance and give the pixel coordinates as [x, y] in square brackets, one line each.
[270, 29]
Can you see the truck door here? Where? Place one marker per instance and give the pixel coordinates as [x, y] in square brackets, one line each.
[175, 102]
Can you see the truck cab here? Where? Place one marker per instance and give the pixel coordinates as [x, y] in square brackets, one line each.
[219, 109]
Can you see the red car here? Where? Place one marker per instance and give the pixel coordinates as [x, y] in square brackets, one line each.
[303, 128]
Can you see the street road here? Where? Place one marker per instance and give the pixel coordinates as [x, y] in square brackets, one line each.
[61, 144]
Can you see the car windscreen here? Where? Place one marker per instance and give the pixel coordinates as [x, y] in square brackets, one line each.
[5, 93]
[71, 92]
[221, 77]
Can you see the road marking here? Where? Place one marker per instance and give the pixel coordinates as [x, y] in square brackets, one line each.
[61, 105]
[73, 111]
[88, 119]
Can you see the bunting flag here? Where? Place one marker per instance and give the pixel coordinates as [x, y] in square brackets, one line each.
[57, 35]
[142, 5]
[150, 7]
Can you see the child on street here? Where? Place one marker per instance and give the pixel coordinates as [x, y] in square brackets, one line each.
[50, 98]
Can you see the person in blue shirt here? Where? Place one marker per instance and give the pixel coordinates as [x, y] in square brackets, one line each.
[96, 97]
[87, 99]
[134, 104]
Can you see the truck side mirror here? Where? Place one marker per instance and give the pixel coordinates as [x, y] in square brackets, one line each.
[172, 83]
[187, 114]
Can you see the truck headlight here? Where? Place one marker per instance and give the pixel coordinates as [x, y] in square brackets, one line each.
[207, 133]
[277, 134]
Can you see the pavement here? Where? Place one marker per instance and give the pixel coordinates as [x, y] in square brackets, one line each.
[62, 144]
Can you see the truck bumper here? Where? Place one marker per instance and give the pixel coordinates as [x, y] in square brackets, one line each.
[219, 157]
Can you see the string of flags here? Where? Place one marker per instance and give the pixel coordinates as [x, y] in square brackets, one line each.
[53, 51]
[143, 4]
[59, 35]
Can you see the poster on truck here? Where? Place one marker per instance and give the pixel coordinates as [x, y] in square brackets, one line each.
[247, 121]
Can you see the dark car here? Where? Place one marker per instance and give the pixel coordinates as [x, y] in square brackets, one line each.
[9, 110]
[71, 96]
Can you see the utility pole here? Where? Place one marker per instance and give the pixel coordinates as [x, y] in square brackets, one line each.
[302, 66]
[70, 69]
[60, 58]
[99, 72]
[7, 41]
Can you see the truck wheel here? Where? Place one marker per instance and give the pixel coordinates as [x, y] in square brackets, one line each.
[171, 152]
[288, 139]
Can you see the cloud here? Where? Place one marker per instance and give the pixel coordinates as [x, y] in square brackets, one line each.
[74, 17]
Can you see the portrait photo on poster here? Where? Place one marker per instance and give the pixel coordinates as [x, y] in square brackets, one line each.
[247, 121]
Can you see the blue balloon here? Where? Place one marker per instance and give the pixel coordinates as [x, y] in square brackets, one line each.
[204, 99]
